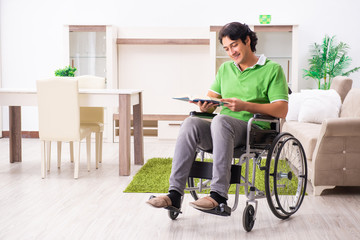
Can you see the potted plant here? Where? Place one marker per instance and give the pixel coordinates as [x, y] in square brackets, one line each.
[327, 61]
[68, 71]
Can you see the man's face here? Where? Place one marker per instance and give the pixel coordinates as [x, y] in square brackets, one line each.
[236, 49]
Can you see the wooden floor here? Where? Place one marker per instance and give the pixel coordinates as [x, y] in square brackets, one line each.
[95, 207]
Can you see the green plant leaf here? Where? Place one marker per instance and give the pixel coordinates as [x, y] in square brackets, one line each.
[67, 71]
[327, 61]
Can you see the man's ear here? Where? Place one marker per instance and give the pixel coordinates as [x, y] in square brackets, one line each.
[247, 40]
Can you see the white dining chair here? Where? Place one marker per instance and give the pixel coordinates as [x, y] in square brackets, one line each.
[59, 119]
[93, 117]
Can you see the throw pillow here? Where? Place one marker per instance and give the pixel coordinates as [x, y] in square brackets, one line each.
[295, 100]
[319, 105]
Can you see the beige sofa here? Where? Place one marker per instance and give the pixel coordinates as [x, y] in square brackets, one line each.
[333, 147]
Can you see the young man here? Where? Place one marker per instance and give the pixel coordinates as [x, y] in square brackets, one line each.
[249, 84]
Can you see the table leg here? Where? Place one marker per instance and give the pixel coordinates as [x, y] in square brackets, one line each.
[124, 134]
[138, 132]
[15, 133]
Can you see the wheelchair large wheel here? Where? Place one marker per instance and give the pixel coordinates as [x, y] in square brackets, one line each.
[285, 175]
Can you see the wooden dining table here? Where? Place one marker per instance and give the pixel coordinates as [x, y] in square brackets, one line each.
[123, 99]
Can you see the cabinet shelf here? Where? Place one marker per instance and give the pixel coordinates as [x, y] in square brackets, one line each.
[87, 28]
[150, 41]
[151, 123]
[262, 28]
[87, 56]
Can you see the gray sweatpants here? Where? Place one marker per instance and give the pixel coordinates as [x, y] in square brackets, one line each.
[222, 134]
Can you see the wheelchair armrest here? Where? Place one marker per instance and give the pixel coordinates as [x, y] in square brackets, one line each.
[202, 114]
[262, 138]
[257, 116]
[264, 117]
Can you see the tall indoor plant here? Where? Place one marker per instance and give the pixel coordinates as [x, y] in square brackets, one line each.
[327, 61]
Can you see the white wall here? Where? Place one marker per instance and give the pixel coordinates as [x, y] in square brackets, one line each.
[32, 41]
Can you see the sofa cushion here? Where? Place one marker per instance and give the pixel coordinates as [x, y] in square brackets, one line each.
[341, 85]
[350, 107]
[306, 133]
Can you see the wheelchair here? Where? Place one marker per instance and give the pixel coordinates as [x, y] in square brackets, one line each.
[279, 154]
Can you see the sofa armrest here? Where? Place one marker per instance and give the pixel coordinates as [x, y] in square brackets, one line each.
[342, 127]
[336, 155]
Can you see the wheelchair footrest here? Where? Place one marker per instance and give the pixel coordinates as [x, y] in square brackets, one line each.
[221, 210]
[170, 208]
[174, 209]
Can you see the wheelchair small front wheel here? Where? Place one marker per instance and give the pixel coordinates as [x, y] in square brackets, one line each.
[173, 215]
[285, 175]
[248, 218]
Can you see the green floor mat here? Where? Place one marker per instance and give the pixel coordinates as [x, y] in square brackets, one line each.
[153, 177]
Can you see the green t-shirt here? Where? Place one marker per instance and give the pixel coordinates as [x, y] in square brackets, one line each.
[263, 83]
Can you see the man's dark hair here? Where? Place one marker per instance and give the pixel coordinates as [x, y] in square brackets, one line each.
[235, 31]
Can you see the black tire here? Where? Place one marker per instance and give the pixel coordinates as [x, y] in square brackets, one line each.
[248, 218]
[173, 215]
[285, 175]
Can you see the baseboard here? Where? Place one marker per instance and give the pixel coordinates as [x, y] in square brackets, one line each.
[24, 134]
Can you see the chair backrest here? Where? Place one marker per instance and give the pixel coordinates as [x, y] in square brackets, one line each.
[350, 106]
[92, 82]
[59, 110]
[91, 114]
[342, 85]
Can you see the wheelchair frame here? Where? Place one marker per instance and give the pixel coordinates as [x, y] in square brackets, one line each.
[273, 147]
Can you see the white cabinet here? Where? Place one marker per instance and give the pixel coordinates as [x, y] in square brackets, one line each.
[178, 62]
[92, 50]
[276, 42]
[88, 53]
[168, 129]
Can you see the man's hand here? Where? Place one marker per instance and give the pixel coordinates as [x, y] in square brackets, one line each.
[206, 106]
[276, 109]
[234, 104]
